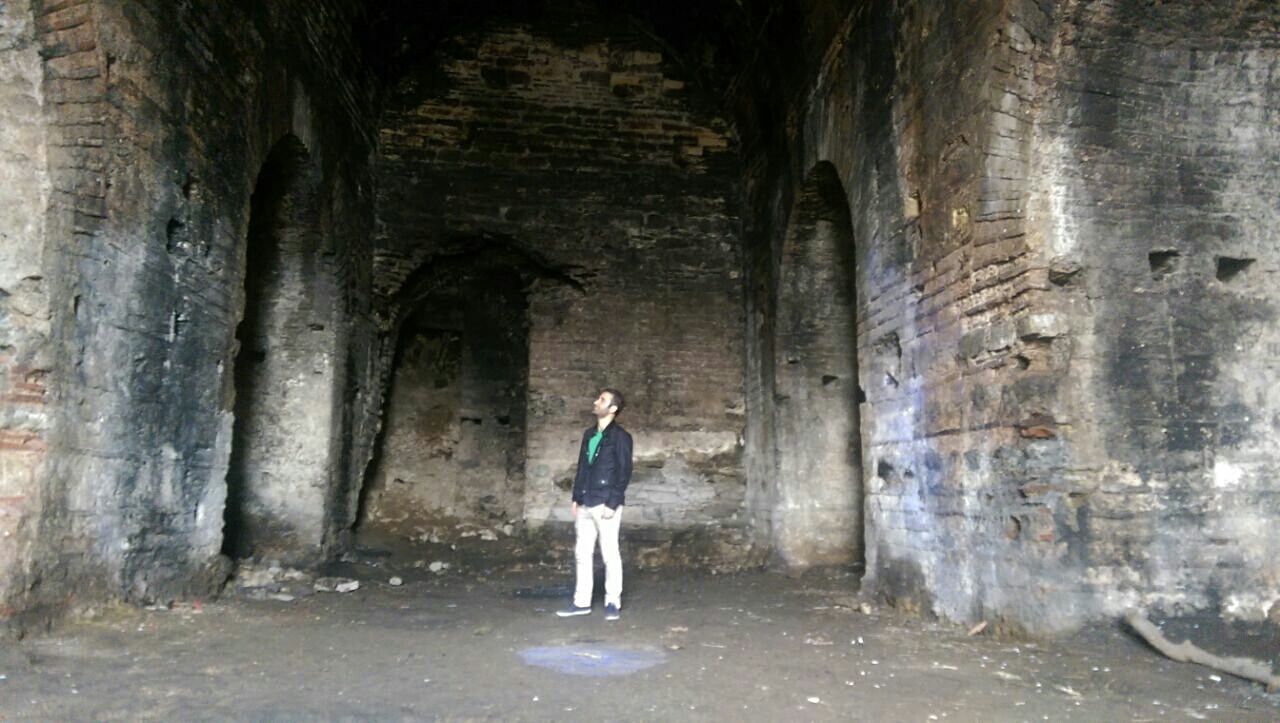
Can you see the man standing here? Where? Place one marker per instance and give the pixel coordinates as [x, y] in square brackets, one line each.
[599, 492]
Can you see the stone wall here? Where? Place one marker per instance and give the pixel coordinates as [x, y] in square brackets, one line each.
[921, 109]
[584, 150]
[287, 368]
[1157, 160]
[161, 115]
[1058, 215]
[816, 503]
[905, 103]
[453, 446]
[24, 299]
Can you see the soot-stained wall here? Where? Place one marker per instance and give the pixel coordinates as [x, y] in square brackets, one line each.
[25, 275]
[1159, 153]
[160, 116]
[1060, 221]
[579, 143]
[922, 110]
[963, 365]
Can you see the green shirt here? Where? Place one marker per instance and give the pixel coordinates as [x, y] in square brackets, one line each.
[593, 446]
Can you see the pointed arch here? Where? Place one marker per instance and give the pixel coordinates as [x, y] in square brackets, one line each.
[282, 467]
[817, 510]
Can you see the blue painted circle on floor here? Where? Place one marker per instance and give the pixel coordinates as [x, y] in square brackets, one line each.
[592, 660]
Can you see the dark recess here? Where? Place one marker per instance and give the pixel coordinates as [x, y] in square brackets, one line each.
[1163, 262]
[1229, 268]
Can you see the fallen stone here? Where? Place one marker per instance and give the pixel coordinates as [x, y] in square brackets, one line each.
[335, 584]
[270, 575]
[396, 582]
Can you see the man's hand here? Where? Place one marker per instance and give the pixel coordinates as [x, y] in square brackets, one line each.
[607, 514]
[573, 510]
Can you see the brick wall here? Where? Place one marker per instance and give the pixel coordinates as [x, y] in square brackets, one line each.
[922, 110]
[1157, 157]
[970, 422]
[1062, 303]
[453, 448]
[160, 116]
[24, 306]
[580, 144]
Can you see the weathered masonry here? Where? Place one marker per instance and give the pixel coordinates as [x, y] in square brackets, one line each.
[978, 297]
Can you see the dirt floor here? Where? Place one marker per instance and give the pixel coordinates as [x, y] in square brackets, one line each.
[469, 642]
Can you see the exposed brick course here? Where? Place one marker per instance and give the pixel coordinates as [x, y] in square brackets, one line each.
[596, 158]
[151, 163]
[989, 200]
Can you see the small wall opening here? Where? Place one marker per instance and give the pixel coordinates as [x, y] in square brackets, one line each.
[817, 507]
[280, 469]
[1229, 269]
[1163, 262]
[450, 461]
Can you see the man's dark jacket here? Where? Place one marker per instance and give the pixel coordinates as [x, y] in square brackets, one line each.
[605, 480]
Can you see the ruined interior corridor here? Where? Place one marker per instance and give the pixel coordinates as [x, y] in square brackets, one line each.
[964, 309]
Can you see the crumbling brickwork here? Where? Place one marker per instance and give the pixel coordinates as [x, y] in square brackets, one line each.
[582, 147]
[152, 166]
[907, 104]
[1157, 157]
[453, 445]
[1025, 283]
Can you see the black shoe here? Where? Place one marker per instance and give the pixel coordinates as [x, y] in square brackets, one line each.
[611, 612]
[573, 610]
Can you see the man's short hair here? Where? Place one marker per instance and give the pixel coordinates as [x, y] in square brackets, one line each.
[616, 396]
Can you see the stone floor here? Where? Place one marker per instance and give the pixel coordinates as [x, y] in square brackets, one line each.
[474, 646]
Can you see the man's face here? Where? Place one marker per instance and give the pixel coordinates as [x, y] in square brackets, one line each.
[603, 405]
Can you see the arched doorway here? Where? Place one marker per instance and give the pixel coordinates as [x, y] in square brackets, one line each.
[817, 510]
[281, 466]
[450, 459]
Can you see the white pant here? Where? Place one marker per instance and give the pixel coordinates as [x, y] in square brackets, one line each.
[591, 524]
